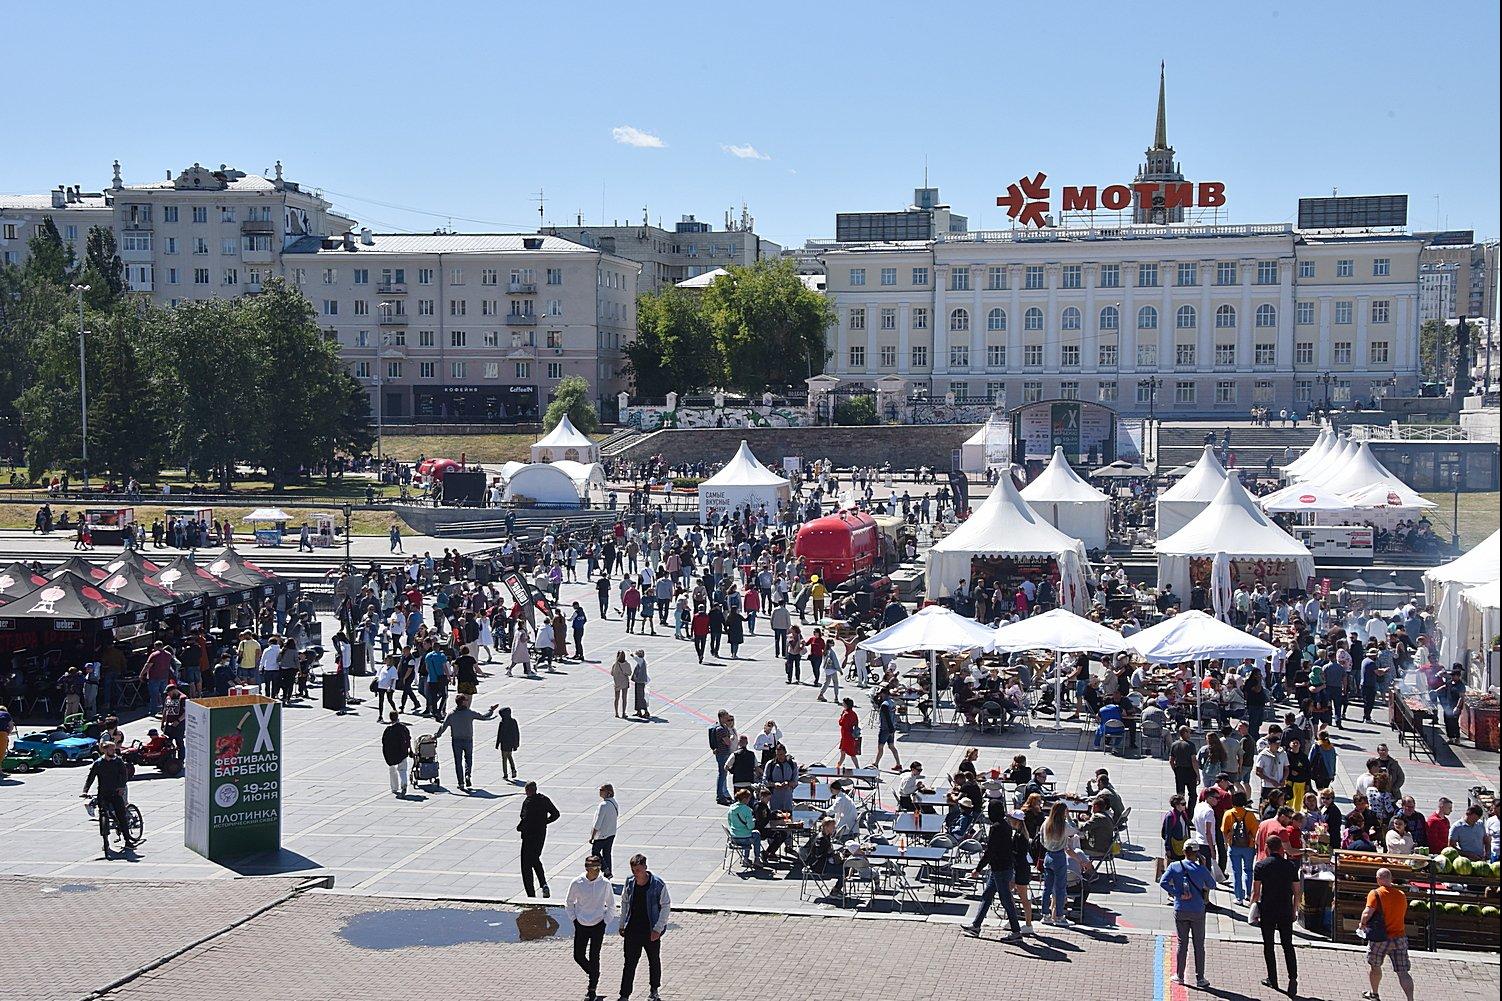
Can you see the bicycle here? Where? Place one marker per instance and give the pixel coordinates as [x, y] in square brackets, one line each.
[135, 826]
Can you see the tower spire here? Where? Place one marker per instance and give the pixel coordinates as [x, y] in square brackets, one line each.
[1160, 134]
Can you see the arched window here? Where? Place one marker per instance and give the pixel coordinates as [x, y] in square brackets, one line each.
[959, 320]
[1186, 318]
[1147, 318]
[1110, 318]
[1071, 319]
[996, 319]
[1033, 319]
[1225, 317]
[1267, 315]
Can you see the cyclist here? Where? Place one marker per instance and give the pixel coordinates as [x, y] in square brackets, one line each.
[113, 773]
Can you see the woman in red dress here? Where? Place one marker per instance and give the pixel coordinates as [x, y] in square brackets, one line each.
[850, 735]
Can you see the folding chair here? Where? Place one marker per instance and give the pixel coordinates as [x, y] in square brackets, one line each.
[734, 851]
[1104, 861]
[819, 880]
[1123, 834]
[859, 871]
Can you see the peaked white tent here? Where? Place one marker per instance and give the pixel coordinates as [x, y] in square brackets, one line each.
[1178, 505]
[1332, 463]
[1250, 546]
[1445, 587]
[1480, 620]
[565, 442]
[1311, 455]
[1360, 471]
[1068, 503]
[743, 480]
[1196, 636]
[1005, 527]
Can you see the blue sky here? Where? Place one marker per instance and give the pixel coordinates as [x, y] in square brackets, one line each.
[465, 110]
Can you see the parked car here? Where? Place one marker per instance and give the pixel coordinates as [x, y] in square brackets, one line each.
[58, 747]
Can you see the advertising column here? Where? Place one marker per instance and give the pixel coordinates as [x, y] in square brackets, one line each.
[233, 776]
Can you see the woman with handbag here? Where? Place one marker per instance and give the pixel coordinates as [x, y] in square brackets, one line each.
[850, 735]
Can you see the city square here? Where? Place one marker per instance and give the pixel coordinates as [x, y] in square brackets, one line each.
[1083, 582]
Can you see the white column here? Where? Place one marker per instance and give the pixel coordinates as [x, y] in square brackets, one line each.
[904, 349]
[1089, 323]
[940, 321]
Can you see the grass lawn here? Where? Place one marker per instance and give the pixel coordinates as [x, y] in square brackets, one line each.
[362, 522]
[487, 448]
[1479, 514]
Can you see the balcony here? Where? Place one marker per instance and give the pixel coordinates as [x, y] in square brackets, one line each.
[258, 227]
[391, 288]
[258, 256]
[392, 319]
[521, 320]
[521, 288]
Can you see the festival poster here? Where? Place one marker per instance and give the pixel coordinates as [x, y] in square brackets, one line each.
[233, 794]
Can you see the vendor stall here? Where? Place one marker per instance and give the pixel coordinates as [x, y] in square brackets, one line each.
[742, 482]
[1068, 503]
[565, 442]
[1007, 540]
[232, 568]
[838, 546]
[1445, 585]
[1178, 505]
[269, 525]
[110, 525]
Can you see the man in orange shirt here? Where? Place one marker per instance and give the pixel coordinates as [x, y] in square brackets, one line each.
[1386, 936]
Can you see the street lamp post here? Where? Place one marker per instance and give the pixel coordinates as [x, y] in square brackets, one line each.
[83, 386]
[1327, 379]
[347, 510]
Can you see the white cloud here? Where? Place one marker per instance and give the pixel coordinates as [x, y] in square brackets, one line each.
[628, 135]
[744, 152]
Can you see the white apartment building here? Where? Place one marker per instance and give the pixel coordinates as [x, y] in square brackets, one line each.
[470, 327]
[74, 212]
[691, 248]
[1180, 320]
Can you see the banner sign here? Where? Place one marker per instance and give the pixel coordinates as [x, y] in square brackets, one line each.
[523, 595]
[1354, 541]
[1027, 199]
[232, 792]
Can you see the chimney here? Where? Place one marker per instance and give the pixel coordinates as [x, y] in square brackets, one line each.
[349, 241]
[59, 197]
[365, 236]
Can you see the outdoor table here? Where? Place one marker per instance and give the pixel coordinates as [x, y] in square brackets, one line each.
[931, 798]
[926, 823]
[819, 793]
[920, 856]
[808, 818]
[859, 774]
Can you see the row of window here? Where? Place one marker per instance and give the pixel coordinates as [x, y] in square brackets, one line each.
[139, 215]
[457, 307]
[1184, 355]
[459, 339]
[459, 370]
[1184, 393]
[1071, 276]
[1186, 318]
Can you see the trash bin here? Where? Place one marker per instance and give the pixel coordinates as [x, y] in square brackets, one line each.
[357, 658]
[334, 691]
[1319, 898]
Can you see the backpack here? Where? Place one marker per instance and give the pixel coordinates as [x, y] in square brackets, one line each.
[1241, 833]
[715, 733]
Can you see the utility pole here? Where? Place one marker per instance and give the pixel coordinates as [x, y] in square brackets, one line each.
[83, 386]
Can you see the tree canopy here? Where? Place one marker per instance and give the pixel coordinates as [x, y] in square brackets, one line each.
[571, 396]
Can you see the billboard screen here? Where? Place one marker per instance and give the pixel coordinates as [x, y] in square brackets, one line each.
[1353, 211]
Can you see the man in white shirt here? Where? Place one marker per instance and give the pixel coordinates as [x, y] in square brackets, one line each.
[588, 906]
[1271, 766]
[842, 809]
[602, 834]
[909, 785]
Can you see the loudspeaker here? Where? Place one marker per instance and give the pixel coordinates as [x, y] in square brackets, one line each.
[464, 489]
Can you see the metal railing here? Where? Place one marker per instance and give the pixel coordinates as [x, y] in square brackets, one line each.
[1133, 232]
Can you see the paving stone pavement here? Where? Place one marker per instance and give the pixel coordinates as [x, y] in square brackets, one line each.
[341, 819]
[335, 946]
[67, 938]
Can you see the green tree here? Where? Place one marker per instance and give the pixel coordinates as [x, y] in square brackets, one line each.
[856, 410]
[48, 258]
[572, 397]
[348, 429]
[103, 271]
[673, 349]
[768, 327]
[1436, 351]
[127, 426]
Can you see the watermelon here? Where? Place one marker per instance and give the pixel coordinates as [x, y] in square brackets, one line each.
[1450, 908]
[1490, 912]
[1441, 864]
[1418, 906]
[1421, 850]
[1452, 853]
[1484, 869]
[1470, 910]
[1461, 866]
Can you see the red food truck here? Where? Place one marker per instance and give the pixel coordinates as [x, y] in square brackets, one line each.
[839, 546]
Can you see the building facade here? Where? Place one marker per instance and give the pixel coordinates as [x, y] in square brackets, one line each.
[470, 327]
[72, 210]
[1458, 276]
[668, 257]
[1173, 320]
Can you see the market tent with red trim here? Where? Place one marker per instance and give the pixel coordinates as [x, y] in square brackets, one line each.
[18, 579]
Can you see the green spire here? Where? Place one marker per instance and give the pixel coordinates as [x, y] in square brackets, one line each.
[1160, 135]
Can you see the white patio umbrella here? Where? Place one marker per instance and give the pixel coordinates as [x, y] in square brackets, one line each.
[1061, 631]
[1195, 636]
[932, 628]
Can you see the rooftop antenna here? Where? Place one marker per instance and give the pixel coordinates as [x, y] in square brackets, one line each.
[540, 202]
[925, 170]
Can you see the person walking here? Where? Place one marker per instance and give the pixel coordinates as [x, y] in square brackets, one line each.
[886, 731]
[508, 738]
[1005, 839]
[385, 686]
[850, 735]
[792, 655]
[396, 748]
[722, 739]
[780, 622]
[1189, 882]
[602, 832]
[1382, 925]
[577, 624]
[1182, 758]
[699, 630]
[587, 907]
[521, 653]
[461, 726]
[536, 814]
[639, 680]
[645, 908]
[620, 675]
[1276, 887]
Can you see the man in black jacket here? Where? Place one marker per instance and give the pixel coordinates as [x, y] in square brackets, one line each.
[537, 813]
[1006, 838]
[113, 774]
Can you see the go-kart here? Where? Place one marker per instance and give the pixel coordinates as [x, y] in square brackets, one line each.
[162, 756]
[58, 747]
[22, 761]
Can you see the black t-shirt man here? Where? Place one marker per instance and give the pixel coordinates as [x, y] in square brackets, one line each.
[1277, 876]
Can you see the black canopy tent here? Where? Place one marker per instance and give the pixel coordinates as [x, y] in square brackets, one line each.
[68, 602]
[231, 567]
[16, 580]
[134, 584]
[131, 557]
[80, 566]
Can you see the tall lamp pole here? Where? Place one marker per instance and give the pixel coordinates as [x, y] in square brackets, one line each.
[347, 510]
[83, 386]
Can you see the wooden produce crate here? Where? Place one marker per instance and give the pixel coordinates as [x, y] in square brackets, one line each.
[1465, 927]
[1356, 876]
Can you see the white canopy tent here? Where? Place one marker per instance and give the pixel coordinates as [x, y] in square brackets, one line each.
[565, 442]
[743, 480]
[267, 514]
[1480, 621]
[1178, 505]
[1332, 463]
[973, 451]
[1360, 472]
[1445, 585]
[1233, 528]
[1311, 456]
[1004, 526]
[1191, 636]
[1068, 503]
[931, 629]
[1304, 498]
[545, 483]
[1063, 632]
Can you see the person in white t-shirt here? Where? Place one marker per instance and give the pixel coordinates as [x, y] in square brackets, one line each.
[588, 907]
[602, 833]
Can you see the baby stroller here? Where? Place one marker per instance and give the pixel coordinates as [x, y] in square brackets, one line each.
[427, 761]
